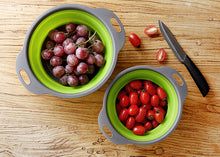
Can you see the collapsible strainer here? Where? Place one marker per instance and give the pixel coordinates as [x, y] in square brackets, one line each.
[29, 59]
[163, 77]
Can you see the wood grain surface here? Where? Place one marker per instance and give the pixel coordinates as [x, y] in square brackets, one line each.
[46, 126]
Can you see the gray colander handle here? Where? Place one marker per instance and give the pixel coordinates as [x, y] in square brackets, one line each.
[105, 16]
[169, 73]
[104, 121]
[22, 64]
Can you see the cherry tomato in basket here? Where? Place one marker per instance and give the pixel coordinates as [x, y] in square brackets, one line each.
[148, 126]
[133, 98]
[161, 93]
[123, 115]
[159, 117]
[147, 106]
[155, 123]
[150, 114]
[135, 40]
[150, 30]
[128, 88]
[161, 54]
[121, 94]
[118, 109]
[159, 109]
[163, 103]
[145, 98]
[133, 110]
[141, 115]
[155, 100]
[135, 84]
[130, 122]
[139, 130]
[124, 101]
[150, 88]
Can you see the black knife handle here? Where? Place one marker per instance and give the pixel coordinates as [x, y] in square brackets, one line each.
[197, 76]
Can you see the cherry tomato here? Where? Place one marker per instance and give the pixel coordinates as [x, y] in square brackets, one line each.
[123, 114]
[130, 122]
[139, 130]
[147, 106]
[145, 98]
[155, 100]
[161, 93]
[147, 82]
[118, 109]
[148, 126]
[128, 88]
[150, 88]
[150, 30]
[138, 124]
[159, 117]
[135, 84]
[139, 102]
[155, 123]
[135, 40]
[133, 110]
[141, 114]
[160, 109]
[124, 101]
[133, 98]
[150, 114]
[121, 94]
[163, 103]
[144, 120]
[161, 54]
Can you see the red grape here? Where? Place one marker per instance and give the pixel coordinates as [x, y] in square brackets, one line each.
[98, 46]
[58, 71]
[90, 59]
[69, 69]
[80, 40]
[81, 30]
[63, 80]
[50, 44]
[82, 53]
[74, 37]
[83, 79]
[47, 54]
[72, 80]
[70, 27]
[66, 41]
[58, 51]
[72, 60]
[82, 68]
[70, 48]
[99, 60]
[52, 33]
[91, 69]
[55, 61]
[59, 37]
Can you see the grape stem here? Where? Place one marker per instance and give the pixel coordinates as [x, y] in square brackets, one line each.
[90, 39]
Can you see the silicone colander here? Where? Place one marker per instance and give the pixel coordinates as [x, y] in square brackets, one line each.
[176, 94]
[29, 59]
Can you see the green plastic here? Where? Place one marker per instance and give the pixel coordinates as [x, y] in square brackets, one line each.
[172, 101]
[58, 19]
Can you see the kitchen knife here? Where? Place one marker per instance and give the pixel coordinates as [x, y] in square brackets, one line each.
[182, 57]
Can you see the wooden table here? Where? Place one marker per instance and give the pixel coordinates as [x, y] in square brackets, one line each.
[43, 125]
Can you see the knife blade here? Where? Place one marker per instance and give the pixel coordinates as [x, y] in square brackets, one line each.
[184, 58]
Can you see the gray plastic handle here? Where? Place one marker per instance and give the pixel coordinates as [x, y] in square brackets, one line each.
[106, 16]
[22, 64]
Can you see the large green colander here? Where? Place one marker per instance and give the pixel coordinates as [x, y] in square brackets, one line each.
[41, 78]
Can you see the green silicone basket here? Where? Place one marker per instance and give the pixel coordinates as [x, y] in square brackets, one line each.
[29, 59]
[163, 77]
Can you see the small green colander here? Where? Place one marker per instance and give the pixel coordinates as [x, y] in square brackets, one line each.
[175, 96]
[97, 19]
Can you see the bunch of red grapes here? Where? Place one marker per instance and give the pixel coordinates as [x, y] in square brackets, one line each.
[75, 53]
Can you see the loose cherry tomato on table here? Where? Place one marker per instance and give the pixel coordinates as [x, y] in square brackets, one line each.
[141, 114]
[145, 98]
[161, 54]
[139, 130]
[161, 93]
[133, 98]
[130, 122]
[124, 101]
[133, 110]
[135, 40]
[150, 30]
[155, 100]
[159, 117]
[123, 115]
